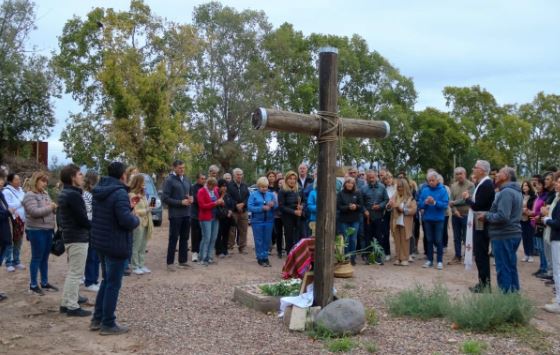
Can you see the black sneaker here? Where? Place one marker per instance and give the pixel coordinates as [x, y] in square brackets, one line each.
[95, 325]
[78, 312]
[49, 287]
[36, 291]
[116, 330]
[82, 299]
[267, 263]
[127, 272]
[62, 309]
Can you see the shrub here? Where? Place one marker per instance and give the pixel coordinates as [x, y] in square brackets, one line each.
[371, 317]
[282, 288]
[473, 347]
[371, 347]
[487, 311]
[420, 303]
[320, 332]
[341, 345]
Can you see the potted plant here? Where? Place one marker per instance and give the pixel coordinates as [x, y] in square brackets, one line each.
[343, 268]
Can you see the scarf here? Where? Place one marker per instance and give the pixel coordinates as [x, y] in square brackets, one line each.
[469, 236]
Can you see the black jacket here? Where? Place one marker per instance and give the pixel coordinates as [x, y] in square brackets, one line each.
[5, 224]
[343, 200]
[174, 192]
[484, 197]
[72, 216]
[113, 221]
[308, 181]
[554, 223]
[194, 206]
[239, 194]
[288, 201]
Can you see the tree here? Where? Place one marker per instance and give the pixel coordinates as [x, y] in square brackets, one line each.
[127, 69]
[228, 85]
[28, 84]
[543, 114]
[497, 133]
[437, 139]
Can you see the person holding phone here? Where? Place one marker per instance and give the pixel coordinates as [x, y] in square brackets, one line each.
[143, 232]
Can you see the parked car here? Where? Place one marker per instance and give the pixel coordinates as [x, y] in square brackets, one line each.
[152, 192]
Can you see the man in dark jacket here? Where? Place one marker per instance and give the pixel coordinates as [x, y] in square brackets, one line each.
[111, 236]
[196, 233]
[176, 194]
[504, 228]
[73, 220]
[239, 192]
[481, 201]
[375, 199]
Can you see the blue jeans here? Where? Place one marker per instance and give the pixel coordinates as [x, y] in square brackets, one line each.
[506, 263]
[262, 234]
[91, 271]
[12, 253]
[434, 234]
[350, 239]
[209, 231]
[112, 271]
[528, 233]
[543, 267]
[41, 241]
[459, 232]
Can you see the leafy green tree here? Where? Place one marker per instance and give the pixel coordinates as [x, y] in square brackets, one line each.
[127, 69]
[26, 81]
[437, 139]
[543, 114]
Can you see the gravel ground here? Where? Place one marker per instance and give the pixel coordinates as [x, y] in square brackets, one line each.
[191, 311]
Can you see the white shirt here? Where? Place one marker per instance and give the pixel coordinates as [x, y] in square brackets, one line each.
[14, 198]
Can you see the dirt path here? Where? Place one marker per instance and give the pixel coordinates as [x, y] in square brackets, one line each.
[191, 311]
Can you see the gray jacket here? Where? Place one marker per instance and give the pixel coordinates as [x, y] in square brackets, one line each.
[175, 191]
[505, 214]
[375, 194]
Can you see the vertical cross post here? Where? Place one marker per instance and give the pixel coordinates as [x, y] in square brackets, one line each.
[326, 180]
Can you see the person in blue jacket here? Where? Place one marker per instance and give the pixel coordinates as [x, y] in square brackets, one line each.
[261, 204]
[111, 237]
[434, 200]
[312, 209]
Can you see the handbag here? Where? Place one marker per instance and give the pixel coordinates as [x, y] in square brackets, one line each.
[57, 247]
[18, 228]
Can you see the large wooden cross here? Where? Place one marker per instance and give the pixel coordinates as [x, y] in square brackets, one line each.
[328, 128]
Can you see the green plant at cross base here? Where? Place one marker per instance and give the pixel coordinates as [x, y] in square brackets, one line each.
[374, 250]
[282, 288]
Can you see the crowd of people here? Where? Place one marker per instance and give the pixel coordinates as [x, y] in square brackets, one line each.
[105, 224]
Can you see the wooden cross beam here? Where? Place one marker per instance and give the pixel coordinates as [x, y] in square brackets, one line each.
[327, 127]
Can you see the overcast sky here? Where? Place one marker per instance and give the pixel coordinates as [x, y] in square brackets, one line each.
[511, 48]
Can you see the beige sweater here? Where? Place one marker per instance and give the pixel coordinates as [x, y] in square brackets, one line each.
[38, 211]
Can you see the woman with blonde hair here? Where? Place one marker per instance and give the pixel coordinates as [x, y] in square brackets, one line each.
[290, 199]
[144, 230]
[262, 203]
[403, 207]
[39, 228]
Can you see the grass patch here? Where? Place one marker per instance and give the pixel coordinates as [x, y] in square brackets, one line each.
[370, 347]
[473, 347]
[320, 332]
[529, 335]
[371, 317]
[341, 345]
[420, 303]
[487, 311]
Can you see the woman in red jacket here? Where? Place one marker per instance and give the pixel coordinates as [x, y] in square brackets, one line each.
[208, 199]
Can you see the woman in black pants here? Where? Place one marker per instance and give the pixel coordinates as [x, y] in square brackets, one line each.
[225, 219]
[291, 208]
[278, 229]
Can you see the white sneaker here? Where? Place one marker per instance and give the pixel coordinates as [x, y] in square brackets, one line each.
[146, 270]
[410, 259]
[530, 260]
[138, 271]
[11, 269]
[20, 267]
[525, 259]
[427, 264]
[552, 308]
[387, 257]
[82, 280]
[194, 257]
[93, 288]
[440, 266]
